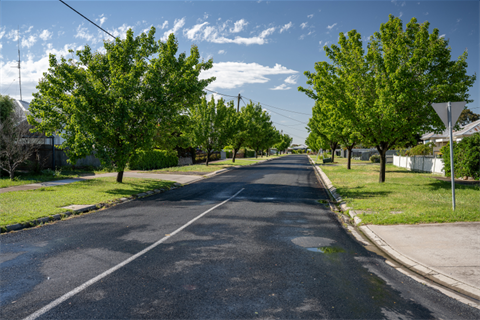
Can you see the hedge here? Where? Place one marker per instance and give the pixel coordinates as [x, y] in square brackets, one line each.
[153, 159]
[466, 154]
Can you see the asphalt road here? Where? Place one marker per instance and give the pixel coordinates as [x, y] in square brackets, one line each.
[254, 256]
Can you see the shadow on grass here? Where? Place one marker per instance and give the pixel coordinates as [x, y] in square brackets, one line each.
[361, 193]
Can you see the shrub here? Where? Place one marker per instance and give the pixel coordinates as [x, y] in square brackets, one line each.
[421, 150]
[466, 155]
[153, 159]
[250, 154]
[375, 158]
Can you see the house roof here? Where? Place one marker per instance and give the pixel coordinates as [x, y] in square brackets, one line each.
[467, 129]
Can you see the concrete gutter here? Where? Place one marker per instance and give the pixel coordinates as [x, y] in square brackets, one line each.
[406, 265]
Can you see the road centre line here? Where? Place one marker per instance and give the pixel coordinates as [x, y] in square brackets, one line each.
[82, 287]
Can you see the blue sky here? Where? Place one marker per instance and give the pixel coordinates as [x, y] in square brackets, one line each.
[260, 49]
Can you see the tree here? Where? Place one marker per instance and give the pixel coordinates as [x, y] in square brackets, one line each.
[467, 116]
[284, 143]
[239, 132]
[211, 128]
[112, 103]
[394, 84]
[16, 141]
[259, 126]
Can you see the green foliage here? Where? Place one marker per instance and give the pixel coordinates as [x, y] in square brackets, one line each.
[421, 150]
[250, 153]
[261, 134]
[385, 95]
[153, 159]
[466, 154]
[285, 142]
[211, 128]
[7, 107]
[467, 116]
[375, 158]
[113, 103]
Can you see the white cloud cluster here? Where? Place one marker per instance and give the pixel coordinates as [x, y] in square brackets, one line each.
[284, 86]
[28, 42]
[230, 75]
[304, 25]
[82, 33]
[238, 26]
[177, 25]
[286, 27]
[310, 16]
[218, 34]
[45, 35]
[331, 27]
[164, 25]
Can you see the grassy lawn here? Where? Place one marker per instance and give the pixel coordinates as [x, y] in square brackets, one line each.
[22, 178]
[201, 168]
[23, 206]
[405, 198]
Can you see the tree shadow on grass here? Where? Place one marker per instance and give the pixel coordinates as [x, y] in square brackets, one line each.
[361, 193]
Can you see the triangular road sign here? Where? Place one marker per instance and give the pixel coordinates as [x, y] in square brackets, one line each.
[442, 110]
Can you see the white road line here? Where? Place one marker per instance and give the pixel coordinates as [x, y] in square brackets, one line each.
[82, 287]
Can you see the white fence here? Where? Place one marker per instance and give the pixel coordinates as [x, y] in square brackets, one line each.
[420, 163]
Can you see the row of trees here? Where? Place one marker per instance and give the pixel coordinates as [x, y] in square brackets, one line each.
[139, 94]
[382, 97]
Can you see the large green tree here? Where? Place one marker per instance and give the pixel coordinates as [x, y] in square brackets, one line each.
[112, 103]
[211, 128]
[467, 116]
[394, 84]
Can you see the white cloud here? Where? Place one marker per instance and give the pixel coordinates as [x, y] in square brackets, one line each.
[331, 27]
[83, 33]
[60, 33]
[304, 25]
[29, 29]
[12, 35]
[119, 32]
[205, 32]
[230, 75]
[32, 71]
[177, 25]
[191, 33]
[238, 26]
[164, 25]
[310, 16]
[403, 4]
[286, 27]
[442, 36]
[205, 16]
[301, 37]
[102, 19]
[291, 79]
[401, 14]
[2, 32]
[45, 35]
[222, 51]
[28, 42]
[320, 42]
[283, 86]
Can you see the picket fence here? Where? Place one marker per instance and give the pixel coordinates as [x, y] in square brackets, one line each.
[420, 163]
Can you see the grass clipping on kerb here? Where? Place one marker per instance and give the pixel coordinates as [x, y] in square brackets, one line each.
[24, 206]
[405, 197]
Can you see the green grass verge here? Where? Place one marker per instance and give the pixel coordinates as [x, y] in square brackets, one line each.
[23, 206]
[22, 178]
[202, 168]
[405, 197]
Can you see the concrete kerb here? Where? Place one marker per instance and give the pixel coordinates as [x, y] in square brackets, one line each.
[406, 263]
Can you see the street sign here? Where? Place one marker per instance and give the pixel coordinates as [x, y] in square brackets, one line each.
[441, 109]
[449, 113]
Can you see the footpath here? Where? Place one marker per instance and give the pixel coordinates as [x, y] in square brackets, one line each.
[447, 254]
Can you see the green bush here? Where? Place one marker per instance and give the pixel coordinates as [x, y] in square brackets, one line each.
[250, 154]
[153, 159]
[375, 158]
[421, 150]
[466, 154]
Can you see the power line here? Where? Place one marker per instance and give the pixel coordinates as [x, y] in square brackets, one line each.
[221, 94]
[264, 104]
[286, 126]
[88, 20]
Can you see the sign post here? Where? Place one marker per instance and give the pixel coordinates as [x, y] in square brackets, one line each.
[449, 113]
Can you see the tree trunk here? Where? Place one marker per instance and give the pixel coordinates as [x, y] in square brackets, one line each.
[383, 162]
[256, 154]
[12, 174]
[234, 154]
[208, 157]
[245, 156]
[192, 154]
[349, 148]
[333, 146]
[120, 176]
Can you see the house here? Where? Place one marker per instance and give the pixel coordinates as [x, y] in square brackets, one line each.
[443, 138]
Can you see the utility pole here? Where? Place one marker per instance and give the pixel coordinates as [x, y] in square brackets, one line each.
[238, 103]
[18, 64]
